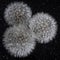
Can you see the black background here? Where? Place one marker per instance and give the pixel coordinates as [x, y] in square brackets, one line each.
[49, 51]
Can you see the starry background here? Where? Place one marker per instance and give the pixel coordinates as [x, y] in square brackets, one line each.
[49, 51]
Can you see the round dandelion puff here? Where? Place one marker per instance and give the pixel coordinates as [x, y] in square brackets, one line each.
[16, 13]
[44, 27]
[18, 41]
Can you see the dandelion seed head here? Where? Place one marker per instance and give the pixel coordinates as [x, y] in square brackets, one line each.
[16, 13]
[18, 41]
[44, 27]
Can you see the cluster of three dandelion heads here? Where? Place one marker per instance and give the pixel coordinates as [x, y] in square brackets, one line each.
[19, 39]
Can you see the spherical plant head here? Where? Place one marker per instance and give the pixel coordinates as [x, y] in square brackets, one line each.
[44, 27]
[18, 41]
[17, 12]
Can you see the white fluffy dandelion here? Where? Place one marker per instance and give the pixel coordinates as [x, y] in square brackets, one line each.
[16, 13]
[18, 41]
[44, 27]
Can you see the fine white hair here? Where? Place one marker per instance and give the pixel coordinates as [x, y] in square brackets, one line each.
[44, 27]
[17, 13]
[19, 41]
